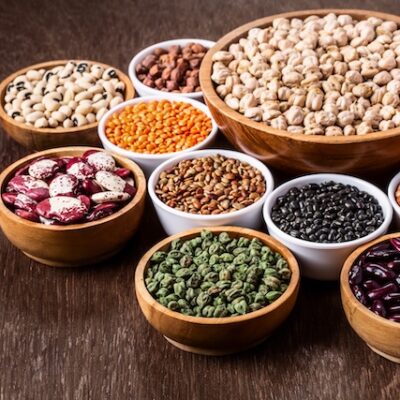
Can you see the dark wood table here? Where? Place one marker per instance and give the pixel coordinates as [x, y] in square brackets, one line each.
[79, 334]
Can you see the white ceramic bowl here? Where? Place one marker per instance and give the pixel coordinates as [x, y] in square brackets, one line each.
[324, 260]
[144, 90]
[394, 183]
[174, 221]
[148, 162]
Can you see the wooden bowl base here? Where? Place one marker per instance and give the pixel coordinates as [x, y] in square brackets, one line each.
[382, 354]
[52, 263]
[213, 352]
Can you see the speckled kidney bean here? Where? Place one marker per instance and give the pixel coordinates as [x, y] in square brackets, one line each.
[375, 279]
[66, 190]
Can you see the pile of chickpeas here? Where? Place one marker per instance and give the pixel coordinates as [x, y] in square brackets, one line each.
[330, 75]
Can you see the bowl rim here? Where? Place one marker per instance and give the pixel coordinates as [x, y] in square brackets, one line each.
[394, 183]
[140, 184]
[345, 285]
[155, 157]
[129, 93]
[293, 285]
[269, 181]
[302, 180]
[211, 96]
[138, 57]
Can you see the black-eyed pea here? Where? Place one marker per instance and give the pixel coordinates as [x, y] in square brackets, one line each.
[97, 97]
[7, 107]
[68, 123]
[78, 119]
[83, 96]
[68, 95]
[53, 123]
[95, 89]
[100, 113]
[41, 123]
[33, 116]
[66, 110]
[100, 104]
[115, 101]
[39, 107]
[58, 116]
[16, 104]
[27, 104]
[109, 73]
[72, 104]
[33, 75]
[91, 118]
[51, 105]
[97, 71]
[26, 111]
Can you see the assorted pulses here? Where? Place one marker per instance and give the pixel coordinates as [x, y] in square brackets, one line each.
[210, 185]
[375, 279]
[216, 275]
[175, 69]
[158, 127]
[68, 190]
[75, 94]
[327, 212]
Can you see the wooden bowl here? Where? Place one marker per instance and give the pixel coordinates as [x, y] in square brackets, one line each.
[217, 336]
[76, 244]
[380, 334]
[47, 138]
[299, 153]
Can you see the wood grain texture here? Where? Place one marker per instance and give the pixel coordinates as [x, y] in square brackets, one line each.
[80, 334]
[47, 138]
[343, 154]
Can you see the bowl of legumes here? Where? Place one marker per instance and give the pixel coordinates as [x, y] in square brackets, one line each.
[211, 187]
[370, 288]
[322, 218]
[150, 130]
[59, 103]
[71, 206]
[394, 197]
[217, 291]
[169, 67]
[320, 86]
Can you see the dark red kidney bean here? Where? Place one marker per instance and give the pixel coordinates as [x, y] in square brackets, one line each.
[130, 189]
[27, 215]
[380, 246]
[90, 186]
[395, 242]
[101, 211]
[395, 309]
[359, 294]
[379, 272]
[387, 254]
[392, 298]
[394, 265]
[394, 317]
[356, 275]
[9, 198]
[379, 308]
[122, 172]
[371, 284]
[38, 194]
[382, 291]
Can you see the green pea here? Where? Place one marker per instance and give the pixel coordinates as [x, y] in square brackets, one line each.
[158, 256]
[203, 299]
[173, 305]
[152, 286]
[183, 273]
[224, 238]
[186, 260]
[241, 307]
[176, 244]
[272, 296]
[180, 289]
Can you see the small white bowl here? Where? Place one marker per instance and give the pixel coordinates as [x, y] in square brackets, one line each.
[148, 162]
[394, 183]
[324, 261]
[144, 90]
[174, 221]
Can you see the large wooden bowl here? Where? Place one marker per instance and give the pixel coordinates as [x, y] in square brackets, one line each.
[217, 336]
[47, 138]
[77, 244]
[380, 334]
[299, 153]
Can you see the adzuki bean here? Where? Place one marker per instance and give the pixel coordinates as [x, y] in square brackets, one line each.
[375, 279]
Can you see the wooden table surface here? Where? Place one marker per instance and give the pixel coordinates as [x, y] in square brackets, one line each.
[79, 334]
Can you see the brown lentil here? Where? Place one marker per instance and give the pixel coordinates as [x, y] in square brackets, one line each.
[210, 185]
[158, 127]
[175, 69]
